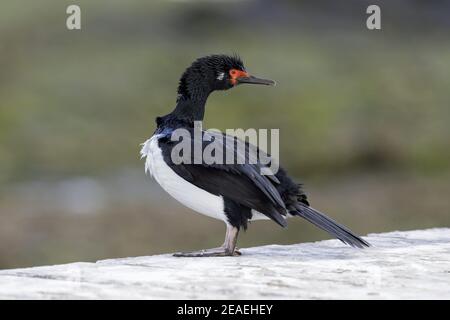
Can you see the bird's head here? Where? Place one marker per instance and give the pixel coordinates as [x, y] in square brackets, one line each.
[215, 72]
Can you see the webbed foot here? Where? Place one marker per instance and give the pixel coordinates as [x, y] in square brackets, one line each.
[215, 252]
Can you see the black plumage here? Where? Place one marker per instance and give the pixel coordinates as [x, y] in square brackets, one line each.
[242, 188]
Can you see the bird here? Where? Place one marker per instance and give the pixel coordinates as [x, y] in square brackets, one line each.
[236, 193]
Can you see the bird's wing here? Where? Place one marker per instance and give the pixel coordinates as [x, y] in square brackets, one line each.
[241, 181]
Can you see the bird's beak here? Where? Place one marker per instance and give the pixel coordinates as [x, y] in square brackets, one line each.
[255, 80]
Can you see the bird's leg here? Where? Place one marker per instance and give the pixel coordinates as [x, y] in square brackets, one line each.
[231, 240]
[227, 249]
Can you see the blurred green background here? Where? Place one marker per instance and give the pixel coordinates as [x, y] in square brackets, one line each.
[363, 116]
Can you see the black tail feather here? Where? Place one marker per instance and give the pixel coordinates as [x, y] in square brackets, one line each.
[329, 225]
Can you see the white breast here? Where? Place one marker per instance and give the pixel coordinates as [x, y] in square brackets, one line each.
[185, 192]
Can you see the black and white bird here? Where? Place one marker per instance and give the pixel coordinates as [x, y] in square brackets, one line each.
[234, 193]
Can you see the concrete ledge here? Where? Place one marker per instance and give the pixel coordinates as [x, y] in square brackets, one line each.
[402, 265]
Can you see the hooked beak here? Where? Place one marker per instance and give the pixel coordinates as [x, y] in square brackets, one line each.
[255, 80]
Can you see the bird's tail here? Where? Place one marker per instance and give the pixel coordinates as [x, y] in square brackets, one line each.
[329, 225]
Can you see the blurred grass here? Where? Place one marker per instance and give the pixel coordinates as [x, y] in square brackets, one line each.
[349, 103]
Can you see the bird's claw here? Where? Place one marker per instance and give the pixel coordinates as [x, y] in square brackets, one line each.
[215, 252]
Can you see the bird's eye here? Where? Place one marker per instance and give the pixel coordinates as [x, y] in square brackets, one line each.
[233, 72]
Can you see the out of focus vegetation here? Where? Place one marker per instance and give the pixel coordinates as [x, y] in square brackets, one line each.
[363, 116]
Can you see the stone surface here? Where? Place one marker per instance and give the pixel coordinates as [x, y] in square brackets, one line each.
[403, 265]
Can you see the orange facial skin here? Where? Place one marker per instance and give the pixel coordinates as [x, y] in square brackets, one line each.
[235, 74]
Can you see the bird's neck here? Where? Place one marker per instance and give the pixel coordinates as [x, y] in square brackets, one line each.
[186, 112]
[193, 91]
[190, 109]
